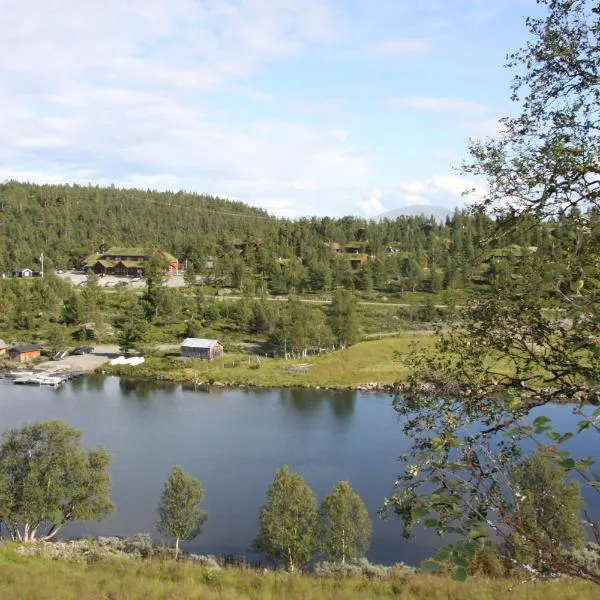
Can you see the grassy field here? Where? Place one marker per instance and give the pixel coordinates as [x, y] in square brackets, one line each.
[35, 578]
[367, 362]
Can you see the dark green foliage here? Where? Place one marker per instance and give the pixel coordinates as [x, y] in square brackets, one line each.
[343, 318]
[47, 480]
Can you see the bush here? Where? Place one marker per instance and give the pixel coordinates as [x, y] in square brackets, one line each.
[361, 567]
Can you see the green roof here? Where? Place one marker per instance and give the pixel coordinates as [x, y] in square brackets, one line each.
[125, 252]
[130, 263]
[117, 251]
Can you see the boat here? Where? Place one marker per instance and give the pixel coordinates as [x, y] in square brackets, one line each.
[39, 380]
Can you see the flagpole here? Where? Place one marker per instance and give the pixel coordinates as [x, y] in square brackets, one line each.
[42, 261]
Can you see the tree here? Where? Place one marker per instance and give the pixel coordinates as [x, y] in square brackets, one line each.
[47, 480]
[57, 338]
[547, 511]
[189, 275]
[343, 317]
[287, 521]
[343, 523]
[154, 273]
[469, 418]
[132, 329]
[180, 515]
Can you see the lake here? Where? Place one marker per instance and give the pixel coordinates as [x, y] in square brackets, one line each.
[233, 441]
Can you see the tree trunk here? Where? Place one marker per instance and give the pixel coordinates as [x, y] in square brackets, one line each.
[290, 561]
[176, 548]
[343, 546]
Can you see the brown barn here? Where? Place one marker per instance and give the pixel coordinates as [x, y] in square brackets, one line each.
[3, 348]
[24, 352]
[202, 348]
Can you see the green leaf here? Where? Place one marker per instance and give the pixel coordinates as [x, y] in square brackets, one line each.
[583, 425]
[541, 420]
[431, 523]
[431, 566]
[477, 533]
[459, 573]
[418, 513]
[567, 463]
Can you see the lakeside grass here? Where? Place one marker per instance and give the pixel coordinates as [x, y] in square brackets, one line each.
[41, 578]
[372, 361]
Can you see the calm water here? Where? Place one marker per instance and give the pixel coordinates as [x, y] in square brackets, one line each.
[233, 441]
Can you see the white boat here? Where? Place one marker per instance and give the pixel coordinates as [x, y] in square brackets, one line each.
[39, 380]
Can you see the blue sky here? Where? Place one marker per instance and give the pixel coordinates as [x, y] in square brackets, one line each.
[302, 107]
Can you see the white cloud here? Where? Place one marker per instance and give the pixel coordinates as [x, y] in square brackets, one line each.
[401, 47]
[438, 190]
[372, 206]
[120, 92]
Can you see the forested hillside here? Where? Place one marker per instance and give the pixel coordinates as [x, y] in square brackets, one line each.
[249, 248]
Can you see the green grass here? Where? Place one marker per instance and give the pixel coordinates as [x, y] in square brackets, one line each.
[36, 578]
[367, 362]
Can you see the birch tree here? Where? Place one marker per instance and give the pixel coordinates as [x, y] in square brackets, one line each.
[288, 521]
[180, 515]
[48, 480]
[344, 524]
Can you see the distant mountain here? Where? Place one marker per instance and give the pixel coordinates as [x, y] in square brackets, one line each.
[439, 213]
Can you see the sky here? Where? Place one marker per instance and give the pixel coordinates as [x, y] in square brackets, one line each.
[300, 107]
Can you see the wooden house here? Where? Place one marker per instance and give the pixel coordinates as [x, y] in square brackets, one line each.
[3, 348]
[25, 352]
[127, 262]
[202, 348]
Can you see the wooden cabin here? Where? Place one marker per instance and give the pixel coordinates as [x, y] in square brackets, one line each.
[201, 348]
[127, 261]
[25, 352]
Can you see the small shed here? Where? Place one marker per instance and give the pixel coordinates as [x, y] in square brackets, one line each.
[3, 348]
[201, 348]
[23, 272]
[24, 352]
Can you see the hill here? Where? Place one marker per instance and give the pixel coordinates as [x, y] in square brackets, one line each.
[68, 222]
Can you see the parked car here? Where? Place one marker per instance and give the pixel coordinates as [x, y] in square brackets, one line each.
[83, 350]
[136, 279]
[60, 271]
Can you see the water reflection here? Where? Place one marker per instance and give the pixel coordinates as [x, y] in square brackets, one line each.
[143, 389]
[94, 383]
[343, 405]
[310, 402]
[215, 392]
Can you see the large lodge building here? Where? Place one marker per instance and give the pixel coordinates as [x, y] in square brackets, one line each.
[127, 261]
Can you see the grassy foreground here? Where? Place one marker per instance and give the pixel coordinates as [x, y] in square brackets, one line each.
[38, 578]
[366, 362]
